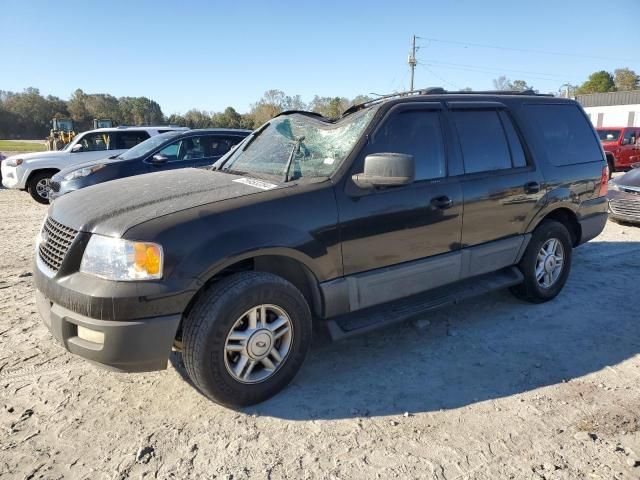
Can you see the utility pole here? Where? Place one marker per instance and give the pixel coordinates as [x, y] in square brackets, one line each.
[412, 61]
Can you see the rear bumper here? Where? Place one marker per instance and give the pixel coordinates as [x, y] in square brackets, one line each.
[592, 219]
[129, 346]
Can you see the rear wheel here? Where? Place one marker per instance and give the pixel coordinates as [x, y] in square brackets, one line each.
[545, 264]
[39, 187]
[246, 338]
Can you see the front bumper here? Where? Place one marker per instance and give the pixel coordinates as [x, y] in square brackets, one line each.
[128, 346]
[624, 206]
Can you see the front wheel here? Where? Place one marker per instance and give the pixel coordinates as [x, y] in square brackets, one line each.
[545, 264]
[246, 338]
[39, 187]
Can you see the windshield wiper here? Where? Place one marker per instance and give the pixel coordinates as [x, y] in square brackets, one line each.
[255, 135]
[296, 147]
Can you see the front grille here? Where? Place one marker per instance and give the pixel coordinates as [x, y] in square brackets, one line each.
[55, 240]
[625, 206]
[55, 186]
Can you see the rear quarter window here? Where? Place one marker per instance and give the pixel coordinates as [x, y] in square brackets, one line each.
[564, 134]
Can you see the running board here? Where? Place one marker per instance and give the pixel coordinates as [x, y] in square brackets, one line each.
[380, 316]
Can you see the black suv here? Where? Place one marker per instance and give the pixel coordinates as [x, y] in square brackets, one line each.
[404, 204]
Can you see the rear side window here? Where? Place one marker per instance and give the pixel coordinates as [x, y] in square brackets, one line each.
[127, 140]
[483, 140]
[564, 134]
[417, 133]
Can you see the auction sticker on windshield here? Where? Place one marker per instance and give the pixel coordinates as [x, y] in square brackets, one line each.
[256, 183]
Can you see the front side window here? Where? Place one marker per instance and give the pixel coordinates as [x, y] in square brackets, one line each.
[94, 142]
[298, 146]
[629, 137]
[417, 133]
[483, 140]
[171, 151]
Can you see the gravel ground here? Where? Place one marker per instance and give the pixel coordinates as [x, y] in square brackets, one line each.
[489, 389]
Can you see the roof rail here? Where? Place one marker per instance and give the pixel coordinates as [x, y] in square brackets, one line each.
[440, 91]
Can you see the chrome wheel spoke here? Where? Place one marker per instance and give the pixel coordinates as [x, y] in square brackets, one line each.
[539, 272]
[255, 348]
[275, 354]
[253, 319]
[268, 364]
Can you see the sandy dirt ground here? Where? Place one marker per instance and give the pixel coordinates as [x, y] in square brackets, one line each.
[489, 389]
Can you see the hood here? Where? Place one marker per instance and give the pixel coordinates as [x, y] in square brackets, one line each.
[39, 155]
[76, 166]
[629, 179]
[111, 208]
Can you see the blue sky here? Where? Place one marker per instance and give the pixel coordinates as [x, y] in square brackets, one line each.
[210, 54]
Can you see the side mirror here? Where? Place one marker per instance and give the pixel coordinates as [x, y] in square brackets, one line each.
[77, 148]
[158, 159]
[386, 170]
[625, 141]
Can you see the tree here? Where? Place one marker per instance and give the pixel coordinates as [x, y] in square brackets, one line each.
[330, 107]
[77, 107]
[520, 86]
[198, 119]
[503, 83]
[598, 82]
[626, 79]
[227, 119]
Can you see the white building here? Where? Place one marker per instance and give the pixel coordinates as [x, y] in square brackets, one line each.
[613, 109]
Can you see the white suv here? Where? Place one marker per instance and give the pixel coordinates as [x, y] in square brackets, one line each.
[33, 171]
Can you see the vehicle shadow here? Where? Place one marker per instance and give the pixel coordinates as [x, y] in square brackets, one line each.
[485, 348]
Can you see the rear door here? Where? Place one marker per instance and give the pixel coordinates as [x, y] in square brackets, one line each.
[500, 185]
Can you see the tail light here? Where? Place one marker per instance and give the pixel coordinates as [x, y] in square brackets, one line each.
[604, 182]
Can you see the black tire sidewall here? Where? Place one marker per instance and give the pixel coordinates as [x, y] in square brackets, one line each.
[547, 230]
[208, 367]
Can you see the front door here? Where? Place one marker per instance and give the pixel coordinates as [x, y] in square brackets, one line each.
[628, 153]
[392, 226]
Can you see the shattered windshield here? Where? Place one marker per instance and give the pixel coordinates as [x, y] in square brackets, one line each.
[298, 146]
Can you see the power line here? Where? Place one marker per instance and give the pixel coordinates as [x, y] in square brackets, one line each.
[482, 67]
[525, 50]
[489, 71]
[439, 77]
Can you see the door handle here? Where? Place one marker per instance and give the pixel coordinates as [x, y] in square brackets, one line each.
[531, 187]
[442, 202]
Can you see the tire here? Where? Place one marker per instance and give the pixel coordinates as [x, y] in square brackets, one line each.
[536, 290]
[612, 167]
[208, 336]
[35, 187]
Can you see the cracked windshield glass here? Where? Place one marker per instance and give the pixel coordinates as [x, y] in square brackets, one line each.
[298, 146]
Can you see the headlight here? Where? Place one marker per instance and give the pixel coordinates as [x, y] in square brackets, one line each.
[119, 259]
[82, 172]
[13, 162]
[613, 186]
